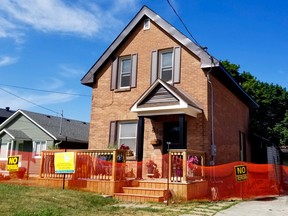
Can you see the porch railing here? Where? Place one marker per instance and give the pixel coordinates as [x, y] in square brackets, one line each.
[186, 165]
[90, 164]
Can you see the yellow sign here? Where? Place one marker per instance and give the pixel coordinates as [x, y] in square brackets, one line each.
[12, 163]
[241, 173]
[64, 162]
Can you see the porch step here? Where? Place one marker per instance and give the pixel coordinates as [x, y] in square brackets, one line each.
[145, 191]
[138, 197]
[141, 191]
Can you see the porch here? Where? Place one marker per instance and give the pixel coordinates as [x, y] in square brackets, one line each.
[110, 172]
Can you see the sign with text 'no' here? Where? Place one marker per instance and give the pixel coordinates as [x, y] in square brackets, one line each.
[241, 173]
[64, 162]
[13, 163]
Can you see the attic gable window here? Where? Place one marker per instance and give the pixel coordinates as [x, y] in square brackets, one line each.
[165, 64]
[124, 71]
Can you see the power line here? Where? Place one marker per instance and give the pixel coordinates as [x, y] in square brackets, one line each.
[42, 90]
[29, 101]
[195, 41]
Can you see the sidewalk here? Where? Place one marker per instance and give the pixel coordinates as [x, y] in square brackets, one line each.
[276, 206]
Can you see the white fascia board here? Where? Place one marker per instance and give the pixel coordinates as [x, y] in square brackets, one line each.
[38, 125]
[5, 131]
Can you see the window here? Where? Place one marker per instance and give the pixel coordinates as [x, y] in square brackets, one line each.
[165, 64]
[4, 147]
[123, 133]
[124, 72]
[38, 147]
[146, 24]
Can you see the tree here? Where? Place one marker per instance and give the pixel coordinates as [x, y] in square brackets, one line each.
[271, 118]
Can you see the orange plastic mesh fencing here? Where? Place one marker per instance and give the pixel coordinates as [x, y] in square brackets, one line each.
[237, 180]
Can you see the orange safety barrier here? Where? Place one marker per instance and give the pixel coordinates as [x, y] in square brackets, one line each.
[236, 180]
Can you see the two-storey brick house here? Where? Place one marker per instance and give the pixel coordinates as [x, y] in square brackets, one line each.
[153, 85]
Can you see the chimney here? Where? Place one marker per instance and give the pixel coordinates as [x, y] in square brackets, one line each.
[7, 108]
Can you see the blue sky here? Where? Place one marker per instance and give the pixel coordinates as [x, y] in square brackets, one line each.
[51, 44]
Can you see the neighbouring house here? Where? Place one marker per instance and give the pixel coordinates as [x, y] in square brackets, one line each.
[154, 89]
[5, 113]
[28, 133]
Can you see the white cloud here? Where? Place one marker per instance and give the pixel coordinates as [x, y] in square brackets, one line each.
[7, 60]
[82, 18]
[69, 71]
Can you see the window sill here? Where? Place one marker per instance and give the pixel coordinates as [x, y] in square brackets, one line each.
[123, 89]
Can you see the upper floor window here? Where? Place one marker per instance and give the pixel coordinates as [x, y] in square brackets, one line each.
[124, 71]
[165, 64]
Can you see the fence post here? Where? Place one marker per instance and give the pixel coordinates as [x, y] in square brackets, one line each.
[114, 165]
[184, 166]
[41, 165]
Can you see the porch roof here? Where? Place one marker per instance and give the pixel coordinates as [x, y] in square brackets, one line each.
[162, 98]
[16, 134]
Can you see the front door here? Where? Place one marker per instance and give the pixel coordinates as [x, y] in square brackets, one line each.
[174, 138]
[173, 135]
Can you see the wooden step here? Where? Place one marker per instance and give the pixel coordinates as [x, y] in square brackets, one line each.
[138, 197]
[145, 191]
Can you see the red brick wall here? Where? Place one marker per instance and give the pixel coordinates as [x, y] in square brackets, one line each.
[230, 117]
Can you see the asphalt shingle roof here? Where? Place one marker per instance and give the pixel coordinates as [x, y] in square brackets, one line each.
[74, 130]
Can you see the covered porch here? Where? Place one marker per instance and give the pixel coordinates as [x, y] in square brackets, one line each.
[109, 172]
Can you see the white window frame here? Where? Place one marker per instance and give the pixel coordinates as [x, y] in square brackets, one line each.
[42, 143]
[119, 138]
[125, 73]
[7, 150]
[161, 68]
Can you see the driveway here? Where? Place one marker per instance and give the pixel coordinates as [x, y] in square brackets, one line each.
[276, 206]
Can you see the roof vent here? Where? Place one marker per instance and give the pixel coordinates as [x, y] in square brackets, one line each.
[7, 108]
[48, 116]
[68, 120]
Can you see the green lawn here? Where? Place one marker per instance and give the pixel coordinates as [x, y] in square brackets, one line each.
[19, 200]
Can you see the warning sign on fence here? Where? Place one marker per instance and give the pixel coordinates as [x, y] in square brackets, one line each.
[13, 162]
[64, 162]
[241, 173]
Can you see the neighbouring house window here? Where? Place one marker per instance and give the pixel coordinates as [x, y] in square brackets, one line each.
[123, 133]
[165, 64]
[242, 145]
[4, 147]
[38, 147]
[124, 72]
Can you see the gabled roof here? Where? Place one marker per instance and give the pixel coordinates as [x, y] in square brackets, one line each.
[15, 134]
[204, 57]
[56, 127]
[162, 98]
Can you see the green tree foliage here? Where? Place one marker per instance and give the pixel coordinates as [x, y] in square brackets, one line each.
[270, 120]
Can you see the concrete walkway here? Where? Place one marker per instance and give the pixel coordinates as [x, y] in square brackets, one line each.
[277, 206]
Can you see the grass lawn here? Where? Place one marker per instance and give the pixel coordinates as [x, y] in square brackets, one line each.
[19, 200]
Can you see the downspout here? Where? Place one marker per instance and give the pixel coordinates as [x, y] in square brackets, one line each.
[213, 146]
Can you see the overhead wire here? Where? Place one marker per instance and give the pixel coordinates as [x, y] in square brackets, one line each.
[30, 101]
[49, 91]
